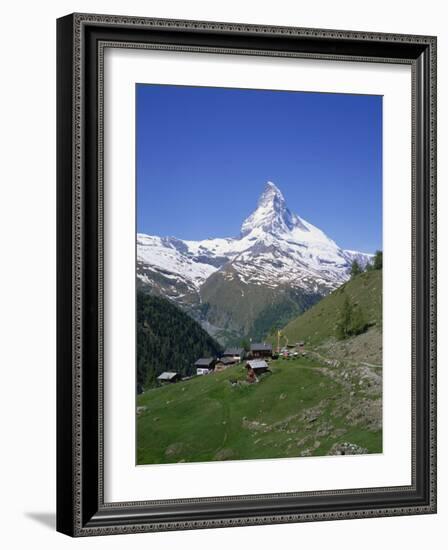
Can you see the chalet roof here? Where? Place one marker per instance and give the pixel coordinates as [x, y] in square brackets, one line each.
[257, 364]
[261, 347]
[227, 360]
[233, 351]
[204, 362]
[167, 376]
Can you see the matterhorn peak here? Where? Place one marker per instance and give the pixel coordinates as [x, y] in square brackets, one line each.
[271, 197]
[271, 192]
[271, 215]
[276, 248]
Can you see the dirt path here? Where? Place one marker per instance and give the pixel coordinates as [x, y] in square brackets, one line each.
[346, 362]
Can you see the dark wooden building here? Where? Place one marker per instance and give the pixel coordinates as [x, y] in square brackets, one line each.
[261, 350]
[224, 363]
[257, 365]
[205, 363]
[236, 353]
[254, 368]
[168, 377]
[227, 361]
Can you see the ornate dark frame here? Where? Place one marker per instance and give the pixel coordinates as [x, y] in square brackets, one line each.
[81, 39]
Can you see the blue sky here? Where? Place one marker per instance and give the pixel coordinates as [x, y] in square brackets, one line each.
[203, 156]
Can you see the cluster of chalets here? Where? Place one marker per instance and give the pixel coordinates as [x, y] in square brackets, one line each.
[256, 363]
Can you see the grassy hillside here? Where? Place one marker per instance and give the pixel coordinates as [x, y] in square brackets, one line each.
[167, 339]
[318, 324]
[301, 408]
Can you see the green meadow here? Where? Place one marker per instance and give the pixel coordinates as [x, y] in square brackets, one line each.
[303, 407]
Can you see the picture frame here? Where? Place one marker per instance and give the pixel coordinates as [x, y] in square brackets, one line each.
[81, 506]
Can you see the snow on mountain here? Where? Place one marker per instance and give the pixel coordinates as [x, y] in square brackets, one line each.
[275, 247]
[271, 215]
[172, 258]
[362, 258]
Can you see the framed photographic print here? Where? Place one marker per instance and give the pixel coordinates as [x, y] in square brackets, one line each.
[246, 274]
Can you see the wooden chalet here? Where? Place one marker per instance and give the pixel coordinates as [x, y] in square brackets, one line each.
[257, 365]
[205, 363]
[255, 368]
[168, 377]
[224, 363]
[236, 353]
[227, 361]
[261, 350]
[201, 371]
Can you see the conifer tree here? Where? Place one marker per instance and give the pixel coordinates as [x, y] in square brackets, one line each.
[378, 260]
[342, 328]
[352, 320]
[355, 268]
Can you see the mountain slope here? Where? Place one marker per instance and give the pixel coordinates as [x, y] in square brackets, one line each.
[319, 323]
[167, 339]
[248, 308]
[278, 258]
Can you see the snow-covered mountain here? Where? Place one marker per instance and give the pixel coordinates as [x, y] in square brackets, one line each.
[275, 250]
